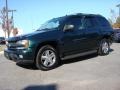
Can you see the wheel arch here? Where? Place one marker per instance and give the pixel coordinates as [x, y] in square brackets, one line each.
[54, 44]
[106, 37]
[109, 38]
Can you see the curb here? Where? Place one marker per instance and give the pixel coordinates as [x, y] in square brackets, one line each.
[1, 52]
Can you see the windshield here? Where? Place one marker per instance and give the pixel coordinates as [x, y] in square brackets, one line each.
[2, 38]
[51, 24]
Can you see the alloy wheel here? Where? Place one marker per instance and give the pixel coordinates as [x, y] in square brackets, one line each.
[105, 47]
[48, 58]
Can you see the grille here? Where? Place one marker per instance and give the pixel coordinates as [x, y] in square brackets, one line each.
[11, 45]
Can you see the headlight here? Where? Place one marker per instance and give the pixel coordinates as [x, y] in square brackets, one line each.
[23, 43]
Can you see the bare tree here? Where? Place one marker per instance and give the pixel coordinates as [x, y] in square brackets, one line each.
[113, 16]
[7, 20]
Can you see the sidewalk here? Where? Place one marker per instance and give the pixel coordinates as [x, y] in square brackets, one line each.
[1, 52]
[2, 47]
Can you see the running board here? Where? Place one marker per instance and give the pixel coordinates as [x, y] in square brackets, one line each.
[78, 55]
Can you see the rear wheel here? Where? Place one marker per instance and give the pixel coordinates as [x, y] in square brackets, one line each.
[104, 47]
[47, 58]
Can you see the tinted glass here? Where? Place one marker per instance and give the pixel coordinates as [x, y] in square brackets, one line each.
[76, 21]
[52, 24]
[103, 22]
[89, 22]
[2, 38]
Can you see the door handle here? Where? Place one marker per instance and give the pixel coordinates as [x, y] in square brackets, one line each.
[79, 39]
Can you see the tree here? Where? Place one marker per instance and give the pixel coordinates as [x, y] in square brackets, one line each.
[3, 20]
[117, 24]
[118, 20]
[15, 32]
[110, 21]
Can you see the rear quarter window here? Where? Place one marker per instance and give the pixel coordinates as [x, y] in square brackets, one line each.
[103, 22]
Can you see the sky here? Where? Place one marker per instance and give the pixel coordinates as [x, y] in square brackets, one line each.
[31, 14]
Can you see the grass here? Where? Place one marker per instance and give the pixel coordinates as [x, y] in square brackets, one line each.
[2, 47]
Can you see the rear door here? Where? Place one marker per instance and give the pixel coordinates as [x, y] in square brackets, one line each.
[92, 32]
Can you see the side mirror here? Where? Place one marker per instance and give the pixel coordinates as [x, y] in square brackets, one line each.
[68, 27]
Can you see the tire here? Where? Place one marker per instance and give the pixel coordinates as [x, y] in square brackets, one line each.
[104, 47]
[47, 58]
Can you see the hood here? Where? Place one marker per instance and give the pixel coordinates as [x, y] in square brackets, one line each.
[25, 36]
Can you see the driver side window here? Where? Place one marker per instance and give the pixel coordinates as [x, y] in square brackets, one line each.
[76, 21]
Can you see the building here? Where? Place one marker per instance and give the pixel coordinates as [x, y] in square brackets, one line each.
[2, 34]
[14, 32]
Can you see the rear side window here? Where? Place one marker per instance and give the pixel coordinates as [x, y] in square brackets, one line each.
[89, 22]
[103, 22]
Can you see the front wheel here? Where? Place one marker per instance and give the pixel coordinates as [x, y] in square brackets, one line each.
[47, 58]
[104, 47]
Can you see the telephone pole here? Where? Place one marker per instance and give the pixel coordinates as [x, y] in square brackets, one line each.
[7, 22]
[7, 19]
[119, 8]
[12, 17]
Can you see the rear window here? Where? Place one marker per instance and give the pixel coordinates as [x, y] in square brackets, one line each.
[103, 22]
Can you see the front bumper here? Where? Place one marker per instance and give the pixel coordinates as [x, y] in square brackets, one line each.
[19, 55]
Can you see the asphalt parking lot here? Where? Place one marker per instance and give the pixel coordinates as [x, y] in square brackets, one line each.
[90, 72]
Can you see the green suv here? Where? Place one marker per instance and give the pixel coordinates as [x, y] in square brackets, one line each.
[62, 38]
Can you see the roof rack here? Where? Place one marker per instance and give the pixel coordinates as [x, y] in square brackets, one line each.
[83, 14]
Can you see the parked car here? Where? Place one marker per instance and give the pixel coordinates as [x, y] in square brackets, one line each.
[2, 40]
[117, 35]
[62, 38]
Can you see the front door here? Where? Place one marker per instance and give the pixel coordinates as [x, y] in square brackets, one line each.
[73, 40]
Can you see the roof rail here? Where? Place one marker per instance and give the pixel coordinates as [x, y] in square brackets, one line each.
[82, 14]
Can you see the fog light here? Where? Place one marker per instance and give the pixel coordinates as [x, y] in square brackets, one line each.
[24, 51]
[20, 56]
